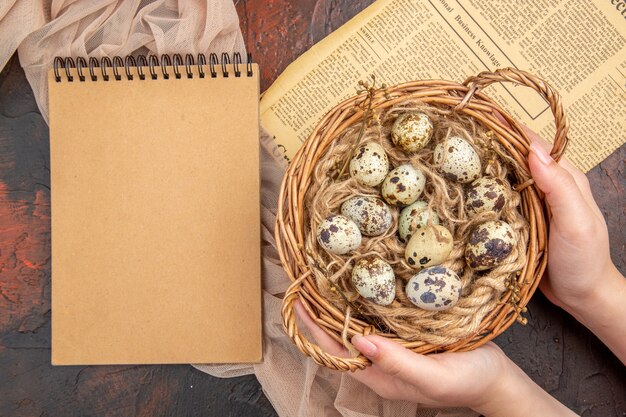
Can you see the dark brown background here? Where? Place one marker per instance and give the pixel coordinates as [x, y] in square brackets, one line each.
[553, 349]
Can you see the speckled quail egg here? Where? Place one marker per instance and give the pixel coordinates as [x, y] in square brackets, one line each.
[338, 234]
[413, 218]
[429, 246]
[489, 245]
[371, 214]
[403, 185]
[485, 194]
[435, 289]
[457, 160]
[370, 164]
[412, 131]
[374, 279]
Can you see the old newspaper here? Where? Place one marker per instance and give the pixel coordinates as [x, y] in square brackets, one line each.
[577, 46]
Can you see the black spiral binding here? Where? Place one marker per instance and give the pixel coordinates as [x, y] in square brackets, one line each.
[152, 66]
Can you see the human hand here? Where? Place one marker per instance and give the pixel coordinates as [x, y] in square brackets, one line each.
[483, 379]
[579, 260]
[446, 379]
[581, 277]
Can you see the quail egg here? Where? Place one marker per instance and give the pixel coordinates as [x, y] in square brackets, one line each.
[413, 218]
[374, 279]
[429, 246]
[370, 164]
[435, 289]
[457, 160]
[412, 131]
[485, 194]
[489, 245]
[403, 185]
[371, 214]
[338, 234]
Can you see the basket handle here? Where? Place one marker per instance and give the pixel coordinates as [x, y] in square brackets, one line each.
[513, 75]
[308, 348]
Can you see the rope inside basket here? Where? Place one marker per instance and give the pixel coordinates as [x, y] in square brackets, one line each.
[481, 290]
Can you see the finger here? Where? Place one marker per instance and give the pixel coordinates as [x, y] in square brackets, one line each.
[327, 343]
[393, 374]
[579, 177]
[395, 360]
[534, 137]
[370, 376]
[376, 380]
[581, 180]
[564, 162]
[387, 386]
[569, 207]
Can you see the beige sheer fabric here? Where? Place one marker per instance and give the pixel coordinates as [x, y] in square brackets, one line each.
[41, 30]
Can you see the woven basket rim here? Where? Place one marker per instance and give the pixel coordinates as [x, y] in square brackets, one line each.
[467, 99]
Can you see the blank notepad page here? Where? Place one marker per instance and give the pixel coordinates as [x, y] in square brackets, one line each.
[155, 217]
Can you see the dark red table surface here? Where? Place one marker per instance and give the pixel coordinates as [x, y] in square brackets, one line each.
[557, 352]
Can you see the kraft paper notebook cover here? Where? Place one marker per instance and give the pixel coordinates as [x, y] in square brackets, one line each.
[155, 211]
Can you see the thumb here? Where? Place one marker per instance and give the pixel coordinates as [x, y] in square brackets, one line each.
[564, 197]
[395, 360]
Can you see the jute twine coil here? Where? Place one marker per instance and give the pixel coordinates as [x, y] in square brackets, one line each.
[492, 300]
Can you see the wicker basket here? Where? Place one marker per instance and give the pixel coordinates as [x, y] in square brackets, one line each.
[291, 229]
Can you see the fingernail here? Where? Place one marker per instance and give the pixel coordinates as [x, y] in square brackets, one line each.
[543, 155]
[364, 346]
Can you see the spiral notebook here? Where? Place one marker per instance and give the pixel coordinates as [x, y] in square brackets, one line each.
[155, 210]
